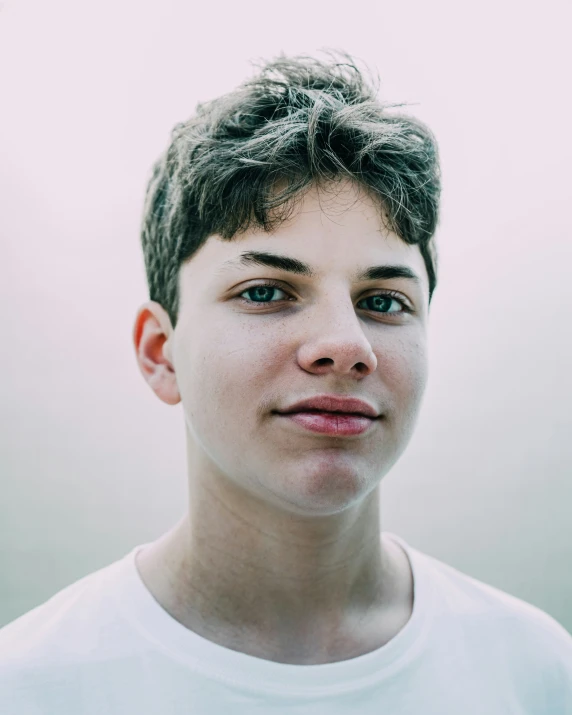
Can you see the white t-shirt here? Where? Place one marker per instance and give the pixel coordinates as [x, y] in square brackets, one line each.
[104, 646]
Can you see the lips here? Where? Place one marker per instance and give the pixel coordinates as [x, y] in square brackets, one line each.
[334, 424]
[333, 404]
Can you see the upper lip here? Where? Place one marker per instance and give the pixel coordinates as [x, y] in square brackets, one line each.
[333, 403]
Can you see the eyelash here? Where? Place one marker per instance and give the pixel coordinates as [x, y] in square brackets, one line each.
[272, 284]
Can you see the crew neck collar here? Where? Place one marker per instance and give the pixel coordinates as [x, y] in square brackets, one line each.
[235, 667]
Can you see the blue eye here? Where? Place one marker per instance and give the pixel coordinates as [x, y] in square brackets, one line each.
[264, 291]
[384, 300]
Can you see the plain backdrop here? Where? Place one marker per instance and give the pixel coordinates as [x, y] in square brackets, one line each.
[92, 463]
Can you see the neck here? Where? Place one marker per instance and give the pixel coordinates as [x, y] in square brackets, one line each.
[279, 586]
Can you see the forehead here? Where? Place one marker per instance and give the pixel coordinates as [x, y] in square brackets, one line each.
[334, 228]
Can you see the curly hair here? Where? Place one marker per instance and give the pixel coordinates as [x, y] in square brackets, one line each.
[300, 121]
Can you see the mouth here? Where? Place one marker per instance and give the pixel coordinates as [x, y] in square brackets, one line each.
[327, 412]
[337, 424]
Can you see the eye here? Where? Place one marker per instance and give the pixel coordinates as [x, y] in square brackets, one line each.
[379, 302]
[384, 300]
[262, 292]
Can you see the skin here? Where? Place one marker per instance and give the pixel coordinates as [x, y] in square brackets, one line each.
[281, 554]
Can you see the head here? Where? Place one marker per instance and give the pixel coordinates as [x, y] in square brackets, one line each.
[302, 162]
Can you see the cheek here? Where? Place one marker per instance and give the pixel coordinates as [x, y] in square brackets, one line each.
[224, 375]
[403, 369]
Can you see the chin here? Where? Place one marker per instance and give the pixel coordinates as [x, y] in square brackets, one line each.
[322, 493]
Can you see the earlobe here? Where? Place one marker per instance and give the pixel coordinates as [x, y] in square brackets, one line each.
[151, 334]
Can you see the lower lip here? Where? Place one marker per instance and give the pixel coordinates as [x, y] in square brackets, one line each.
[339, 425]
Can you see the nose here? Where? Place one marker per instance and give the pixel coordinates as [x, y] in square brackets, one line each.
[337, 343]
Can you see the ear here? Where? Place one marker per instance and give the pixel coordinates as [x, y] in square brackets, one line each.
[152, 337]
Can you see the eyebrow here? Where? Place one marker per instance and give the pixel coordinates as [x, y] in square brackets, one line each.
[293, 265]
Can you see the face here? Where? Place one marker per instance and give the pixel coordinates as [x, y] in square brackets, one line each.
[243, 350]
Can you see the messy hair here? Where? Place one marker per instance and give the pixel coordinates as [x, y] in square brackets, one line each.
[299, 122]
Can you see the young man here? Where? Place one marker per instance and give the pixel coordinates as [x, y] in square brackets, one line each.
[289, 246]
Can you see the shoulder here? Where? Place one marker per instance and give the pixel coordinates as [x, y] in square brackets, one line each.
[63, 627]
[491, 620]
[467, 595]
